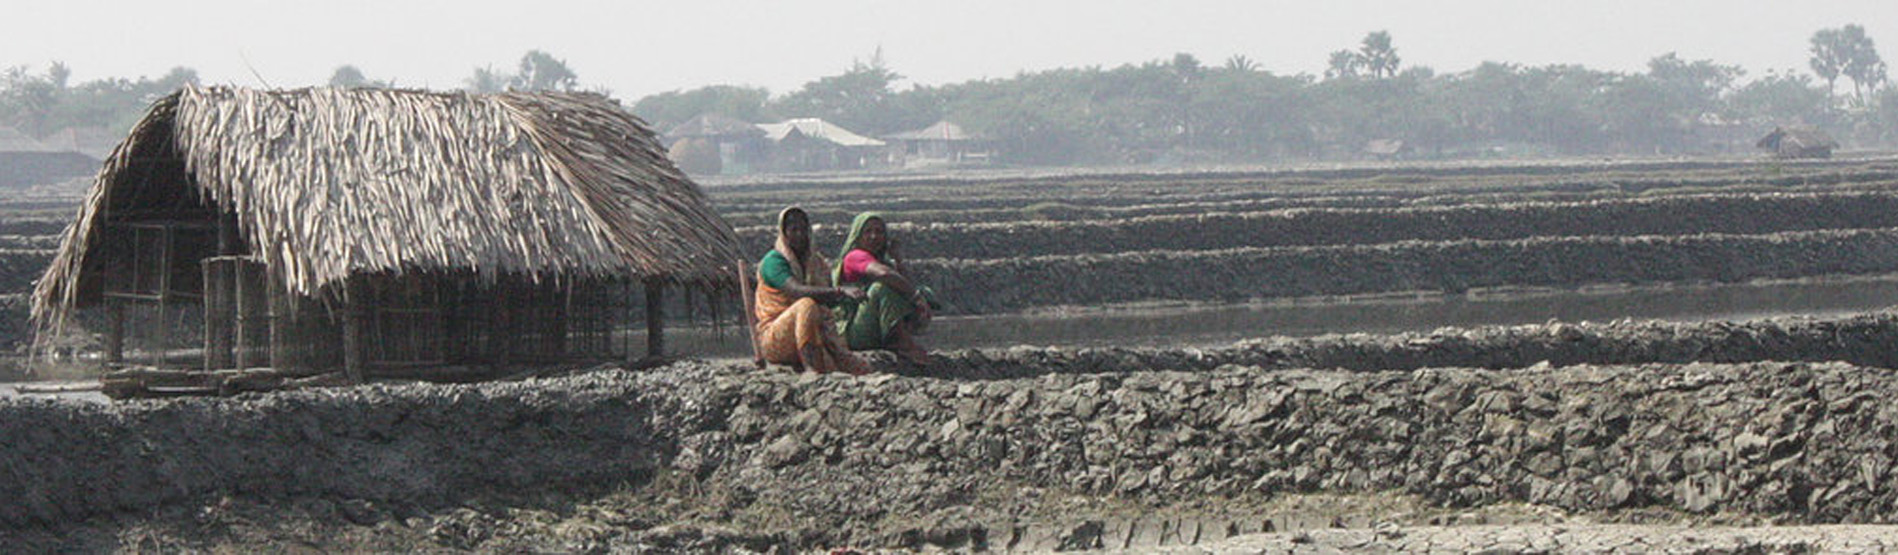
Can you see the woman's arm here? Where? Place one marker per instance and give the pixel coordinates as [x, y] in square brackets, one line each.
[822, 294]
[894, 252]
[889, 277]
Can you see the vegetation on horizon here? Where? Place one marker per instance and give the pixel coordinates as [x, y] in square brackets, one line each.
[1178, 110]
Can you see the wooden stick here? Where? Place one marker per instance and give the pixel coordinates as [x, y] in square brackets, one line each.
[746, 291]
[114, 331]
[58, 388]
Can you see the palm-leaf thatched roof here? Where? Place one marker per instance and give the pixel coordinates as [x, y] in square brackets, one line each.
[328, 182]
[1796, 137]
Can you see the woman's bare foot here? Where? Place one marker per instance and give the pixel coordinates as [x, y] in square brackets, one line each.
[905, 345]
[850, 363]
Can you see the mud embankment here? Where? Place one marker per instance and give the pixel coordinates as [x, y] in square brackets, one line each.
[419, 444]
[50, 226]
[1802, 442]
[987, 286]
[897, 460]
[1156, 193]
[19, 268]
[1224, 229]
[1864, 340]
[1562, 539]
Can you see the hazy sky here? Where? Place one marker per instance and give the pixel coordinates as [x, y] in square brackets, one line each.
[640, 48]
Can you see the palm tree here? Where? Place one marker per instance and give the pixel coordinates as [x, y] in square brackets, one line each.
[1343, 64]
[1239, 63]
[1379, 58]
[1847, 52]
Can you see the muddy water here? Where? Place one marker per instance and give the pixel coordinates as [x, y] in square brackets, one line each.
[1225, 324]
[88, 396]
[1155, 326]
[1218, 325]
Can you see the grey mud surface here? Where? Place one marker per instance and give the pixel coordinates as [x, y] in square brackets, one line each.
[1767, 422]
[1550, 538]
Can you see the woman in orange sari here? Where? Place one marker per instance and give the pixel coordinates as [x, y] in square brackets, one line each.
[794, 323]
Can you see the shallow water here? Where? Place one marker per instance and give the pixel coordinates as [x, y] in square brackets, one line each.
[93, 396]
[1199, 326]
[1219, 325]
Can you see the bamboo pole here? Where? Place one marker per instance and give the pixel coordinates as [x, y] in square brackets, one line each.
[114, 332]
[280, 329]
[557, 327]
[163, 329]
[220, 297]
[227, 241]
[626, 311]
[655, 319]
[502, 332]
[250, 301]
[219, 317]
[356, 313]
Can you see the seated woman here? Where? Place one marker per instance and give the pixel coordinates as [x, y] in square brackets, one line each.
[894, 309]
[794, 325]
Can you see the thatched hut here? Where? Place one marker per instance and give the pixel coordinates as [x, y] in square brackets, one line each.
[1798, 142]
[26, 162]
[732, 145]
[806, 144]
[374, 230]
[941, 143]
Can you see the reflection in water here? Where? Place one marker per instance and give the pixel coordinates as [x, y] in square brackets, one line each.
[1219, 325]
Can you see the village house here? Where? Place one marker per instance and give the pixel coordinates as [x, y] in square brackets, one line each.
[1798, 142]
[92, 141]
[812, 144]
[716, 144]
[26, 162]
[382, 232]
[941, 144]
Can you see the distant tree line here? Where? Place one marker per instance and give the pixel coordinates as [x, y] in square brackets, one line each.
[42, 103]
[1180, 110]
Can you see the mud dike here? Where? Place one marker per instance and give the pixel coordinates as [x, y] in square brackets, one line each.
[1022, 245]
[1782, 421]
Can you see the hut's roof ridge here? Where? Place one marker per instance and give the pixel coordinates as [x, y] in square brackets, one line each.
[818, 129]
[94, 142]
[12, 140]
[327, 182]
[943, 130]
[714, 124]
[1798, 136]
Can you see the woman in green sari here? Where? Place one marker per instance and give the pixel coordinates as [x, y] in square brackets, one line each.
[894, 309]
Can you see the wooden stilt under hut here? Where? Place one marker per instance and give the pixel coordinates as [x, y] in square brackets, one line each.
[375, 232]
